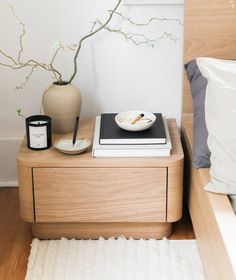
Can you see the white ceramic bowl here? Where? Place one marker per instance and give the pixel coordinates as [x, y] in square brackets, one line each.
[65, 146]
[124, 120]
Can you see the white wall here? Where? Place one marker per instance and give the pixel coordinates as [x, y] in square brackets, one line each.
[113, 74]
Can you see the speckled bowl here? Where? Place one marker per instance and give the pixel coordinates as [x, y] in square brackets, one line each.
[124, 119]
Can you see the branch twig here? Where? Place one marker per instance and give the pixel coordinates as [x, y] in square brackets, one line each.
[18, 64]
[19, 113]
[22, 34]
[131, 21]
[136, 38]
[26, 79]
[139, 38]
[89, 35]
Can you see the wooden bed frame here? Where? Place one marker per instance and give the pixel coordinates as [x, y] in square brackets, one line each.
[210, 30]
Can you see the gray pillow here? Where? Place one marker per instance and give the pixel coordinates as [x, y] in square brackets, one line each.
[201, 152]
[232, 199]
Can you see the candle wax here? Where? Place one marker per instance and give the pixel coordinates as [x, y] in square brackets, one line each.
[38, 122]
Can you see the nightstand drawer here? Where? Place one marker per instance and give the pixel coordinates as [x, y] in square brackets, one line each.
[100, 194]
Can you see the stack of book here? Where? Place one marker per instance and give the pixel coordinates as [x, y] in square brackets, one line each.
[112, 141]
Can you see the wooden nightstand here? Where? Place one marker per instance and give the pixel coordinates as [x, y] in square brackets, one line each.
[84, 197]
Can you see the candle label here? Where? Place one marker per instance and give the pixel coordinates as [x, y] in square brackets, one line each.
[38, 136]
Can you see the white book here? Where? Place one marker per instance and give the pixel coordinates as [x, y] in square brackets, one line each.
[157, 150]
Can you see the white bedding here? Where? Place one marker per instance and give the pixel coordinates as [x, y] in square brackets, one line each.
[220, 114]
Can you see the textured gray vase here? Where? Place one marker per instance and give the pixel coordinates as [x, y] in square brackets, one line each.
[62, 103]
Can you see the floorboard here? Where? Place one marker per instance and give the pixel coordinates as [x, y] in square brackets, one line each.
[16, 237]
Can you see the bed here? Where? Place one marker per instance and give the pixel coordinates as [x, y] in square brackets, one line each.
[210, 30]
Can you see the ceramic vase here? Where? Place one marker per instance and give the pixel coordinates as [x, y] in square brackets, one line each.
[63, 104]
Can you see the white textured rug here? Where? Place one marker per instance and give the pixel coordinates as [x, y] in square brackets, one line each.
[112, 259]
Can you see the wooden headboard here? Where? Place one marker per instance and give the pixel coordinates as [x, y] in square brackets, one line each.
[210, 30]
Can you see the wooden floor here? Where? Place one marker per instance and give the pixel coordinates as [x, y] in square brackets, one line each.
[16, 237]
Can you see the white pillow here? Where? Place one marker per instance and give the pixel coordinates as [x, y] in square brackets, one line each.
[220, 111]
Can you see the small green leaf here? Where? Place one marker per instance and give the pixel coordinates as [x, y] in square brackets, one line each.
[19, 113]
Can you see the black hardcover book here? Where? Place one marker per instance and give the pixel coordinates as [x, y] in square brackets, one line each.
[111, 133]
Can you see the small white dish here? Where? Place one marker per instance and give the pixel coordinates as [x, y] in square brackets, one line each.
[65, 146]
[124, 119]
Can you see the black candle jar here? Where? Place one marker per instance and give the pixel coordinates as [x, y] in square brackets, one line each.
[39, 132]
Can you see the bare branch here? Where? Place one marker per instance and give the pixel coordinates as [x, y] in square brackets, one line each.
[60, 47]
[131, 21]
[26, 79]
[89, 35]
[22, 33]
[51, 65]
[8, 57]
[139, 38]
[136, 38]
[93, 26]
[18, 64]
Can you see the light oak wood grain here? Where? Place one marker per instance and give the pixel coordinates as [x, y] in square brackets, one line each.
[209, 30]
[86, 189]
[106, 230]
[213, 219]
[26, 196]
[52, 158]
[174, 193]
[16, 237]
[100, 194]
